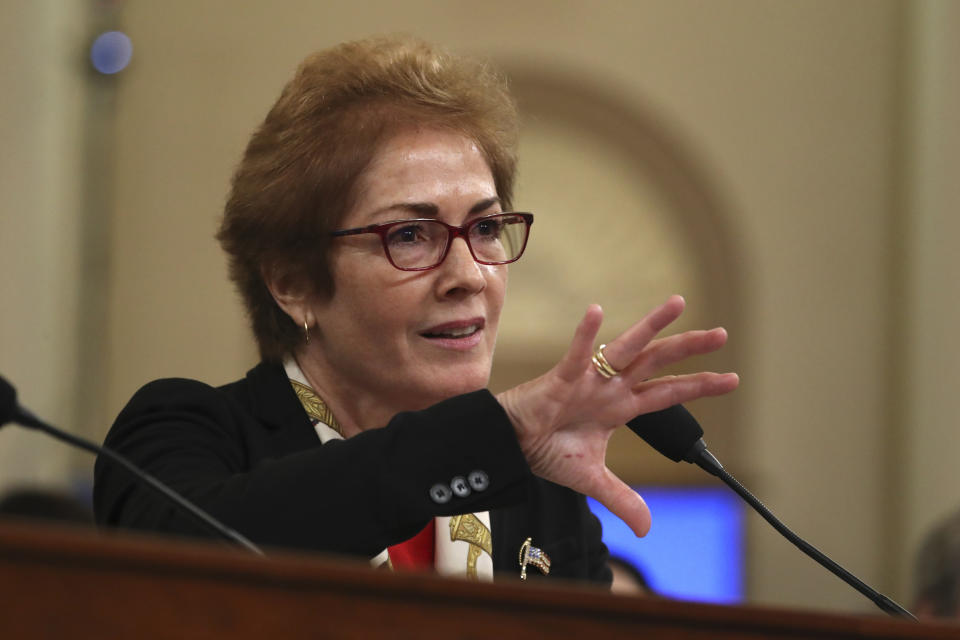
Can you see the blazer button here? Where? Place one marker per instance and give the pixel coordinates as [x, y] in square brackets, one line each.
[440, 493]
[478, 480]
[460, 487]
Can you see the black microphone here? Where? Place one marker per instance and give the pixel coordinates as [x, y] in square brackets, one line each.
[8, 402]
[675, 433]
[10, 411]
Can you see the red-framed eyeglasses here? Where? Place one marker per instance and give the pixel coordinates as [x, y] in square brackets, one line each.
[420, 244]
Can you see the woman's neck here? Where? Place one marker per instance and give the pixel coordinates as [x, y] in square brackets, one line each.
[355, 408]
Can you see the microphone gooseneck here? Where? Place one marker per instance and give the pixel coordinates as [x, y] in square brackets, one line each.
[10, 411]
[882, 601]
[675, 433]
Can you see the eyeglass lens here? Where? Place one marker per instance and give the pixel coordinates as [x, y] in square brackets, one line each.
[422, 243]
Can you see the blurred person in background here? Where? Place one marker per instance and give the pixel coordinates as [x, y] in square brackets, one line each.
[50, 505]
[628, 578]
[937, 571]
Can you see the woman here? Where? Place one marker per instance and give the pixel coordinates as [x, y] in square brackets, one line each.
[366, 232]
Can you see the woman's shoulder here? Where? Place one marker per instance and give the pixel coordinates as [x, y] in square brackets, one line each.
[179, 410]
[176, 391]
[189, 394]
[174, 401]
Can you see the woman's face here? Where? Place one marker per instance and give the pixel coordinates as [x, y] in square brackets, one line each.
[391, 340]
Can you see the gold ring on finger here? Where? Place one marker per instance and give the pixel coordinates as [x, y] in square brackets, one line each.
[601, 365]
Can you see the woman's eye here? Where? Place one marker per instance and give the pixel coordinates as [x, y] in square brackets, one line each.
[488, 228]
[405, 234]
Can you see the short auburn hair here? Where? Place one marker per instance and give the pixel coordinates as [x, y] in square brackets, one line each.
[298, 176]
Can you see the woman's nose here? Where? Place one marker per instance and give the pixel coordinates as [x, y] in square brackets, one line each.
[460, 274]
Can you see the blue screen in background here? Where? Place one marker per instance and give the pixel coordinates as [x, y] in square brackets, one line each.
[694, 550]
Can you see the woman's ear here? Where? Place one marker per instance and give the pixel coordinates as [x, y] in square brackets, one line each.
[290, 291]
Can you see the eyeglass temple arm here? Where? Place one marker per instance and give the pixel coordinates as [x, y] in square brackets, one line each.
[352, 232]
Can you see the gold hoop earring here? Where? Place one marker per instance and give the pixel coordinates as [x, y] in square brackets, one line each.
[306, 331]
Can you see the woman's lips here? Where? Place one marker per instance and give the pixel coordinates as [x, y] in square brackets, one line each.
[459, 334]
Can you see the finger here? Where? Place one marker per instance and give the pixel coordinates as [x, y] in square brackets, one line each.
[628, 345]
[672, 349]
[581, 347]
[660, 393]
[623, 502]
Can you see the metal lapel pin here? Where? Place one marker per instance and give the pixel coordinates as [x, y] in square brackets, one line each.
[531, 555]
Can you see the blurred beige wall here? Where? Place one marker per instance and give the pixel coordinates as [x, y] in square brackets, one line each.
[928, 441]
[789, 174]
[42, 113]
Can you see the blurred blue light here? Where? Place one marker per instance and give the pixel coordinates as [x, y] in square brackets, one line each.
[111, 52]
[694, 550]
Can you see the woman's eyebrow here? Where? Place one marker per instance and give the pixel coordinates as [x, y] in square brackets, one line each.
[483, 205]
[431, 210]
[419, 209]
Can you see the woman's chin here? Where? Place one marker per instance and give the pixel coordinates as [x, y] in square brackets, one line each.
[457, 381]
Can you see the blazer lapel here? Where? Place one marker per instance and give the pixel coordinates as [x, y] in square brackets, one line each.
[274, 403]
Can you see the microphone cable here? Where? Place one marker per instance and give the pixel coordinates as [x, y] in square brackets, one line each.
[675, 433]
[12, 412]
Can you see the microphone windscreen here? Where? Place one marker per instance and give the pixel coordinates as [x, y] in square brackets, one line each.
[672, 431]
[8, 401]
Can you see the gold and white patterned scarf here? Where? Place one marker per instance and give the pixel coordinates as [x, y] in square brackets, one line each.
[466, 551]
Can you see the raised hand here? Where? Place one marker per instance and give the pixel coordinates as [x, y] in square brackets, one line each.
[564, 418]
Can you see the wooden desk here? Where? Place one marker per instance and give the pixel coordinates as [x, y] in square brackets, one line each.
[58, 583]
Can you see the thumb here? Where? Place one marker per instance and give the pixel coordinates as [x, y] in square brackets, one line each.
[623, 502]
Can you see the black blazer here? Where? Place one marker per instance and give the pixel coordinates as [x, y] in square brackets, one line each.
[247, 453]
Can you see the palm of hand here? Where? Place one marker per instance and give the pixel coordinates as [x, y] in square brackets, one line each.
[564, 418]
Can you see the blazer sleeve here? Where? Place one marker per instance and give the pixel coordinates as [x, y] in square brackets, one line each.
[355, 496]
